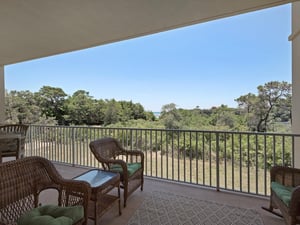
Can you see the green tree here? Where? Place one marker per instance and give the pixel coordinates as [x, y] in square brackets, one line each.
[170, 116]
[223, 118]
[260, 109]
[82, 108]
[193, 119]
[21, 108]
[51, 101]
[112, 112]
[131, 111]
[97, 113]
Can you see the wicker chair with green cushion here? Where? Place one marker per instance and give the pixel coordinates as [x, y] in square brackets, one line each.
[13, 147]
[285, 193]
[22, 181]
[129, 163]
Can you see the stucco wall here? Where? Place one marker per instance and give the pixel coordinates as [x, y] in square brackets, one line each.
[2, 94]
[295, 38]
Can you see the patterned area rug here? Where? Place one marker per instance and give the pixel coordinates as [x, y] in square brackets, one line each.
[169, 209]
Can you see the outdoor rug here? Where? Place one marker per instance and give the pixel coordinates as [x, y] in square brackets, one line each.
[161, 208]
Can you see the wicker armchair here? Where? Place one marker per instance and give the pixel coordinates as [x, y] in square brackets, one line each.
[130, 163]
[13, 147]
[285, 193]
[21, 182]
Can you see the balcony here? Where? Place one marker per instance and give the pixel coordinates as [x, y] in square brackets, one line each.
[220, 166]
[111, 217]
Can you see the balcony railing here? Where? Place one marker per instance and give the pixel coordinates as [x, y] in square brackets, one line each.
[235, 161]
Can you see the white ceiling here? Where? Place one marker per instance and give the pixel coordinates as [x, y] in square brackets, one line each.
[37, 28]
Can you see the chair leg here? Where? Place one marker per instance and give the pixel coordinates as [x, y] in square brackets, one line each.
[270, 209]
[142, 183]
[125, 194]
[293, 221]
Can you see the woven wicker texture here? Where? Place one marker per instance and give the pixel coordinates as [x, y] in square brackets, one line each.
[108, 151]
[289, 177]
[22, 180]
[13, 147]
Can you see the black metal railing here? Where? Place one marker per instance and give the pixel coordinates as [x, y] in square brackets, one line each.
[235, 161]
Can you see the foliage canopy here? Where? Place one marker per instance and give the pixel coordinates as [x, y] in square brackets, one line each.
[268, 110]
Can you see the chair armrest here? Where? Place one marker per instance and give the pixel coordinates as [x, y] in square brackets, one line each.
[74, 192]
[134, 152]
[285, 175]
[122, 163]
[135, 156]
[114, 161]
[295, 201]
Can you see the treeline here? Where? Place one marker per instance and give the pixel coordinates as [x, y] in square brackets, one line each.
[268, 110]
[51, 105]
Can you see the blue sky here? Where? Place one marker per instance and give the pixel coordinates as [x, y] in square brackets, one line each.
[203, 65]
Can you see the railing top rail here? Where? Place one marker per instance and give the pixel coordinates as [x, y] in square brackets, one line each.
[177, 130]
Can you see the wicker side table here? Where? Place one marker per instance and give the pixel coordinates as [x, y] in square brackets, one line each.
[102, 184]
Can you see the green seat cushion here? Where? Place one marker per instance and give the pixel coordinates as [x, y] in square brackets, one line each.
[283, 192]
[52, 215]
[131, 168]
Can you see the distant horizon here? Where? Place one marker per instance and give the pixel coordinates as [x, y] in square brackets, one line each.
[206, 65]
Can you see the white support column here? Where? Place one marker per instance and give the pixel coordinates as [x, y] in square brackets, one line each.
[2, 95]
[295, 39]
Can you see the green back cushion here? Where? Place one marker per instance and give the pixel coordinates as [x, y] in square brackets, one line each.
[131, 167]
[52, 215]
[283, 192]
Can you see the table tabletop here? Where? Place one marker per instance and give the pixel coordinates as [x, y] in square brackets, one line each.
[97, 177]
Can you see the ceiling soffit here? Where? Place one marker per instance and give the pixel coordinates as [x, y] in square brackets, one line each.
[33, 29]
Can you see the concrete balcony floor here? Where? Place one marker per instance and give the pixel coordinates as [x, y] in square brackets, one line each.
[111, 217]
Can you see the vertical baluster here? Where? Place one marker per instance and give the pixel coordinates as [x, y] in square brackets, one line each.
[197, 158]
[232, 161]
[191, 156]
[248, 163]
[256, 164]
[217, 162]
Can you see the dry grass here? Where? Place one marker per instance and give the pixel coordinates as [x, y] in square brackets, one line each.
[204, 172]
